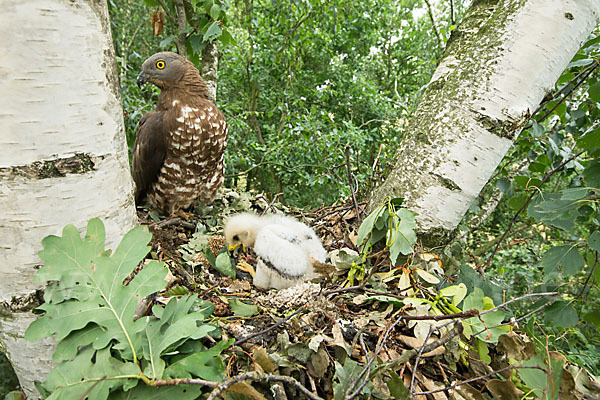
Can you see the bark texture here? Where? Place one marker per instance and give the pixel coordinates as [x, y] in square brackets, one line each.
[210, 69]
[64, 156]
[497, 67]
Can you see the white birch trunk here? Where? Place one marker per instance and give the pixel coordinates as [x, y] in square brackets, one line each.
[64, 157]
[498, 65]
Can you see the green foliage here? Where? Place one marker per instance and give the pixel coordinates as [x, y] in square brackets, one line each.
[391, 222]
[103, 350]
[300, 81]
[561, 224]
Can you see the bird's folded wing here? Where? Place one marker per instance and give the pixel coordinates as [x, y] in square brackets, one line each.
[279, 249]
[148, 152]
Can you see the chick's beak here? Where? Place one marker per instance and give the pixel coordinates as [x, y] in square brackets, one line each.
[235, 246]
[141, 79]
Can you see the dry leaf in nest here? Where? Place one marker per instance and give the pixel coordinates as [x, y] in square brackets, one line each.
[261, 357]
[245, 390]
[158, 22]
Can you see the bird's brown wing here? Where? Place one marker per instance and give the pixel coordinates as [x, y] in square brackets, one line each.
[148, 152]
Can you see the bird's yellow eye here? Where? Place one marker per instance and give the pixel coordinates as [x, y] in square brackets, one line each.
[160, 64]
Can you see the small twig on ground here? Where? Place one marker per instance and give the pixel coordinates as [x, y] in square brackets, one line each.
[414, 370]
[184, 381]
[176, 221]
[352, 182]
[243, 340]
[255, 376]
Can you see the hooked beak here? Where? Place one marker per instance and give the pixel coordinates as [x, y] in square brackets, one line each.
[141, 79]
[235, 246]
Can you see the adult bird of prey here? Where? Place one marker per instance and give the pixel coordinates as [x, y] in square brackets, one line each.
[179, 148]
[286, 248]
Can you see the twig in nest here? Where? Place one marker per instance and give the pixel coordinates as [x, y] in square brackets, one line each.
[353, 183]
[176, 221]
[272, 203]
[255, 376]
[243, 340]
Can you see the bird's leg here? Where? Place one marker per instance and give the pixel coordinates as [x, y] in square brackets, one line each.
[183, 214]
[242, 265]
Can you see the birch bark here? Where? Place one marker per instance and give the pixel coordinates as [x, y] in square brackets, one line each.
[64, 156]
[497, 67]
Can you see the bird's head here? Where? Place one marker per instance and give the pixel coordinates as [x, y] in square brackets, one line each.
[162, 69]
[241, 229]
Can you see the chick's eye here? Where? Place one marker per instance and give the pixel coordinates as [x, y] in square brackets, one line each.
[236, 237]
[160, 64]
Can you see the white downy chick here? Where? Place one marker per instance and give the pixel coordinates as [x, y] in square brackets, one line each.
[285, 247]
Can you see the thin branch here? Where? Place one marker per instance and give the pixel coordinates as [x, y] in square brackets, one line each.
[435, 28]
[184, 381]
[514, 321]
[353, 185]
[591, 69]
[255, 376]
[587, 281]
[414, 370]
[524, 207]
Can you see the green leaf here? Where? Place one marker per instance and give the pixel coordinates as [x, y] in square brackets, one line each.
[175, 322]
[402, 234]
[143, 392]
[537, 379]
[581, 63]
[594, 241]
[201, 364]
[594, 92]
[345, 376]
[483, 323]
[573, 194]
[517, 201]
[561, 314]
[397, 388]
[590, 139]
[166, 41]
[366, 227]
[223, 265]
[215, 11]
[566, 257]
[593, 317]
[457, 292]
[591, 174]
[84, 376]
[212, 32]
[69, 260]
[242, 309]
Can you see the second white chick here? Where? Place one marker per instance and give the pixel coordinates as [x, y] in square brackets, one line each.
[284, 247]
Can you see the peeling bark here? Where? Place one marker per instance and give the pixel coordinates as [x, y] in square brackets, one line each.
[498, 65]
[64, 157]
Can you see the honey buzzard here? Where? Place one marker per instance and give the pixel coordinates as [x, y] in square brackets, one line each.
[179, 148]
